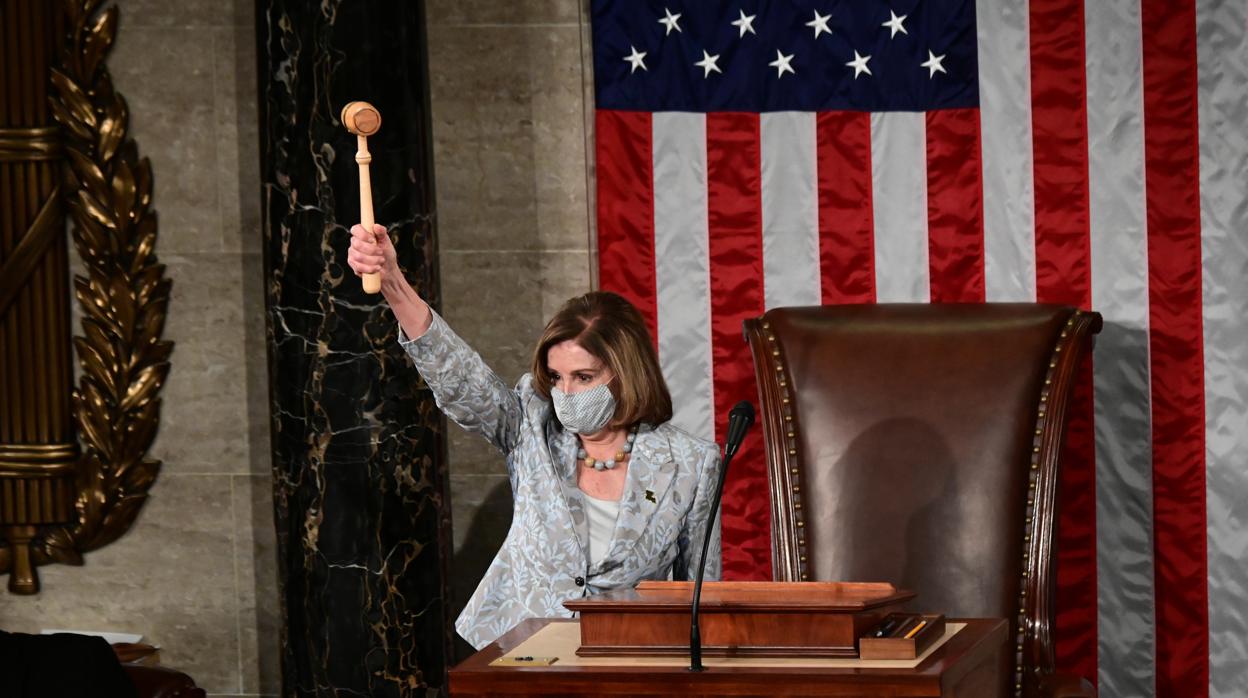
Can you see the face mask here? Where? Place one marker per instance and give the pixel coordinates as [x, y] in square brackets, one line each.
[586, 412]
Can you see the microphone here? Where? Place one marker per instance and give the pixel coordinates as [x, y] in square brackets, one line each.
[740, 419]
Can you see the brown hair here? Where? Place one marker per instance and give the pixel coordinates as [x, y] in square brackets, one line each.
[609, 327]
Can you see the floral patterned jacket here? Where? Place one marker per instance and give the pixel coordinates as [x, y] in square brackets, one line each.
[544, 559]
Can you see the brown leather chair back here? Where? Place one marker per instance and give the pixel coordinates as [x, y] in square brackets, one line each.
[919, 445]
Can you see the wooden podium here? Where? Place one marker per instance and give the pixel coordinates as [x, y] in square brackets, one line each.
[760, 638]
[762, 619]
[972, 664]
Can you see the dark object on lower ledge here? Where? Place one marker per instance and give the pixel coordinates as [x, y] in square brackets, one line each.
[65, 664]
[62, 664]
[161, 682]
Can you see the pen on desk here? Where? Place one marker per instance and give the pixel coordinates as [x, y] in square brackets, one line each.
[886, 627]
[915, 630]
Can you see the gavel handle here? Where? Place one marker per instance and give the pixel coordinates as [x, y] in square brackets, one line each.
[372, 282]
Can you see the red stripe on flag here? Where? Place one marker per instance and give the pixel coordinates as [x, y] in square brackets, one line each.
[955, 207]
[1172, 199]
[624, 151]
[735, 218]
[846, 225]
[1063, 275]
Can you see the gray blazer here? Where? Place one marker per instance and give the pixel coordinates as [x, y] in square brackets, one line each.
[544, 560]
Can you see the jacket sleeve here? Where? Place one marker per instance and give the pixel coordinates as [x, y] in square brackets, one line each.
[465, 388]
[691, 536]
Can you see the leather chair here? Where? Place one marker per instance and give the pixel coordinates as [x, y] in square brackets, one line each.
[920, 445]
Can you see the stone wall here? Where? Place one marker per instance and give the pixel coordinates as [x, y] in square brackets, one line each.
[196, 573]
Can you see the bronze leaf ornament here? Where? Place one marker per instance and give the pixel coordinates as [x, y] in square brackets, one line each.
[122, 291]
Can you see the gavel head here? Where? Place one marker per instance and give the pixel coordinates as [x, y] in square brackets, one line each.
[361, 118]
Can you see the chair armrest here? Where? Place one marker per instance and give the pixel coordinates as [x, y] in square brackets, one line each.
[1063, 686]
[161, 682]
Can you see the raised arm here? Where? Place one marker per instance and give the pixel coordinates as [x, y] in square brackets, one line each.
[466, 389]
[372, 253]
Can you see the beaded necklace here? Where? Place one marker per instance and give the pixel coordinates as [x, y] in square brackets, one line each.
[609, 464]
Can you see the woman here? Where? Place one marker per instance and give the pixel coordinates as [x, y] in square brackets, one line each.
[607, 492]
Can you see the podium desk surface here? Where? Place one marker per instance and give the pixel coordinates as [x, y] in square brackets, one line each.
[970, 664]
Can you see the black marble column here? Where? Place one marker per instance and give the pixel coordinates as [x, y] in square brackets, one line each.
[360, 489]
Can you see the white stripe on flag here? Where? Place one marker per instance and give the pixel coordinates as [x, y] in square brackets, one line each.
[1223, 84]
[682, 267]
[899, 205]
[790, 209]
[1005, 132]
[1119, 256]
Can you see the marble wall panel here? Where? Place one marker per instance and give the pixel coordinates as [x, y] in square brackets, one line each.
[360, 493]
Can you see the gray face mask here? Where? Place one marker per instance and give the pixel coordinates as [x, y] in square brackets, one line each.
[586, 412]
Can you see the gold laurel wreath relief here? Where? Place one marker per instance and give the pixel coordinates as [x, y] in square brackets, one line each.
[124, 294]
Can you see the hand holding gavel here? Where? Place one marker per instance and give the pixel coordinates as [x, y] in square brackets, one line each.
[368, 260]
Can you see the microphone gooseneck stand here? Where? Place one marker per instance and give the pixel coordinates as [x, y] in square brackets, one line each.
[739, 421]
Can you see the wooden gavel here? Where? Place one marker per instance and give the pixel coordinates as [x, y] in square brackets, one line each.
[363, 119]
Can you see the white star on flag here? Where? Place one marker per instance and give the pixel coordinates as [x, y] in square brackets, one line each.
[636, 59]
[671, 21]
[745, 24]
[782, 63]
[859, 64]
[707, 64]
[820, 23]
[933, 64]
[895, 24]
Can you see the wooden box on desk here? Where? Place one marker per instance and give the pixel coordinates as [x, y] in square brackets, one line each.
[761, 619]
[902, 647]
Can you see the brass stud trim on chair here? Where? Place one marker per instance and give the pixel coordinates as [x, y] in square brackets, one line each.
[1024, 631]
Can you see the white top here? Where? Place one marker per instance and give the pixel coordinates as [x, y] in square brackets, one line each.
[602, 514]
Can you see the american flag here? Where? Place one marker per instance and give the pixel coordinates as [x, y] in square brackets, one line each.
[762, 153]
